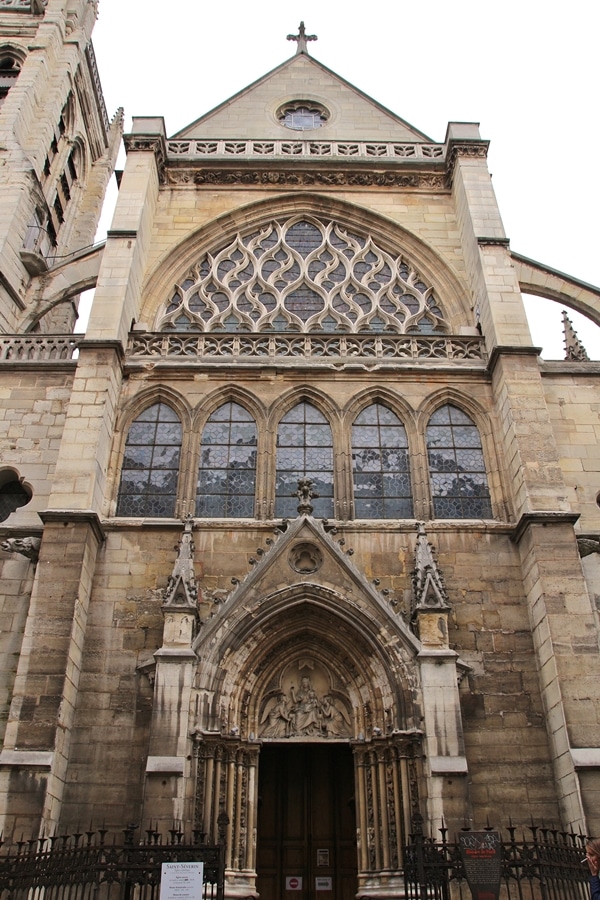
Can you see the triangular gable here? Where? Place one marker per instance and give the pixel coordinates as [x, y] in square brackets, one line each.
[274, 572]
[252, 113]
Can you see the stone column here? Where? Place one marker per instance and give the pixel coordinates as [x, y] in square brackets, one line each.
[168, 792]
[227, 788]
[387, 797]
[33, 762]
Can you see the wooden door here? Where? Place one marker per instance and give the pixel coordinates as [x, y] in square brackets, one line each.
[306, 823]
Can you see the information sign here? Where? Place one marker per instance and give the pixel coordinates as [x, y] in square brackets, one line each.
[481, 853]
[322, 883]
[181, 881]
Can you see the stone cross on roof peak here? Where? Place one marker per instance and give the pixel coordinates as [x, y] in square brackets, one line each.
[301, 38]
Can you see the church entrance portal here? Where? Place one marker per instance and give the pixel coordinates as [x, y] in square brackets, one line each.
[306, 822]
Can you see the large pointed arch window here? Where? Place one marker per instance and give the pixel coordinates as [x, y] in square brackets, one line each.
[227, 473]
[303, 274]
[459, 483]
[151, 464]
[380, 465]
[304, 450]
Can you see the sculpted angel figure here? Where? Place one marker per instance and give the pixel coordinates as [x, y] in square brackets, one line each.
[335, 718]
[278, 716]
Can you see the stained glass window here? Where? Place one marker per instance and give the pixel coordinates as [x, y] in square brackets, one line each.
[302, 117]
[302, 274]
[151, 464]
[227, 473]
[12, 496]
[459, 483]
[382, 488]
[304, 450]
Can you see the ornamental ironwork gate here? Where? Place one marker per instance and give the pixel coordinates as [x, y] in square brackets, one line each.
[545, 865]
[91, 865]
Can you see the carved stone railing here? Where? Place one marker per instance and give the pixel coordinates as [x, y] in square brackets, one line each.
[279, 347]
[299, 149]
[38, 347]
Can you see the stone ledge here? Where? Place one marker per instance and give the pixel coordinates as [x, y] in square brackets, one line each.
[39, 759]
[79, 516]
[169, 765]
[445, 765]
[586, 757]
[542, 518]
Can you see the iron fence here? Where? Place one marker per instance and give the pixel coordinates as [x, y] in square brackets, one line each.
[540, 864]
[92, 865]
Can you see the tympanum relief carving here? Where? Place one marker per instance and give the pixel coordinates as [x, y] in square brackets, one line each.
[304, 705]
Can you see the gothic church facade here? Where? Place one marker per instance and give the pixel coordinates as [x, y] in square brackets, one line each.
[300, 540]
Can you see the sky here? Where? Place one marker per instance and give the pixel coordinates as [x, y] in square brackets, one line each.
[526, 70]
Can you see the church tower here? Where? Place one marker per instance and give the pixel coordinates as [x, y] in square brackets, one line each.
[58, 152]
[298, 557]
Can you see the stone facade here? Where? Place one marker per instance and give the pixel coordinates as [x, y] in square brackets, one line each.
[158, 637]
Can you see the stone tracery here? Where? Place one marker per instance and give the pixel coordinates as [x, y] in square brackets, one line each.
[303, 274]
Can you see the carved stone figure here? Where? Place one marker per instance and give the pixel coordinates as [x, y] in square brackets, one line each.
[27, 546]
[306, 709]
[335, 718]
[305, 714]
[279, 718]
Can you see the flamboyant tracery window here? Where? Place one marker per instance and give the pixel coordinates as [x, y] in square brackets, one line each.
[380, 464]
[303, 274]
[304, 450]
[227, 473]
[151, 464]
[459, 483]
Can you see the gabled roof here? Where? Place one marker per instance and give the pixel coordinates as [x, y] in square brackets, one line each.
[252, 112]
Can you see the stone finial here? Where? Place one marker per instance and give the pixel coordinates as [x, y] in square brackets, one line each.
[429, 590]
[181, 590]
[574, 349]
[301, 38]
[305, 494]
[26, 546]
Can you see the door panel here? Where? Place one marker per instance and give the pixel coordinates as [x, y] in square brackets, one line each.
[306, 822]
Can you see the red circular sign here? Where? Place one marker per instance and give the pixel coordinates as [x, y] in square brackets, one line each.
[293, 882]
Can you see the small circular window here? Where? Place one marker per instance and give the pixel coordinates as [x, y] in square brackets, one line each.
[303, 115]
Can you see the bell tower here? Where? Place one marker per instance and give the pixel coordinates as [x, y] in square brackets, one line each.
[57, 152]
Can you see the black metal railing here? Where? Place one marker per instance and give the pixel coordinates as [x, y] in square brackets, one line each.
[94, 864]
[540, 864]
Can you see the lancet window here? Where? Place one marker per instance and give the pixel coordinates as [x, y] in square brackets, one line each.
[459, 483]
[304, 450]
[227, 473]
[380, 464]
[151, 464]
[303, 274]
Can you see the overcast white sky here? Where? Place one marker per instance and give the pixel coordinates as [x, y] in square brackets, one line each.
[527, 70]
